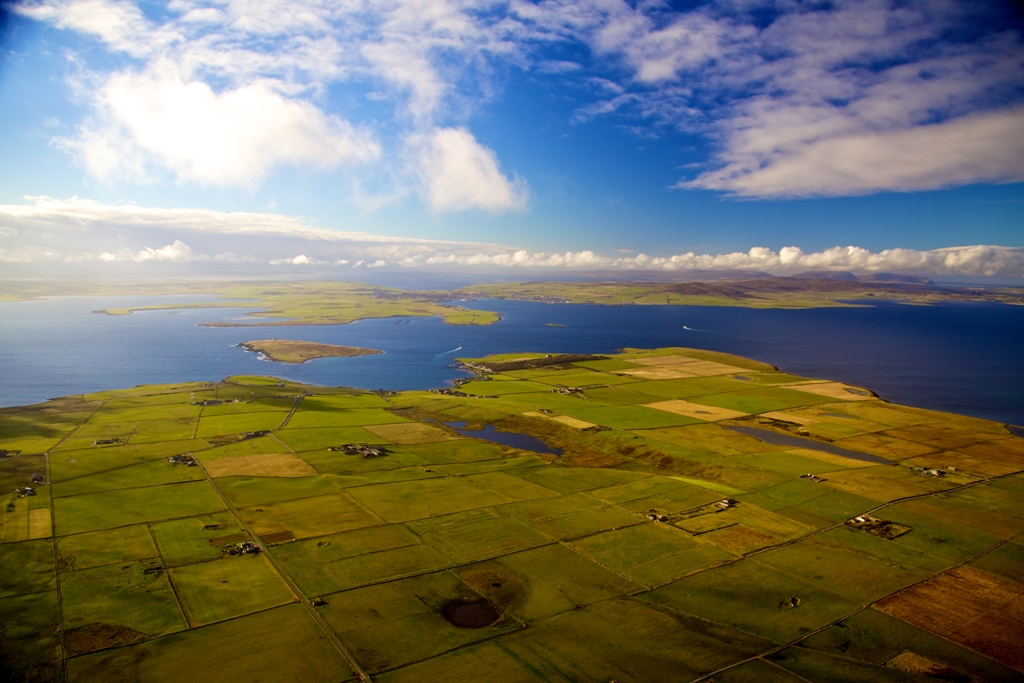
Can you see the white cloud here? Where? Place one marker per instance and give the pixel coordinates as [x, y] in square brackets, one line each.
[300, 260]
[119, 24]
[222, 92]
[984, 147]
[978, 260]
[779, 101]
[229, 138]
[836, 98]
[459, 173]
[77, 230]
[178, 252]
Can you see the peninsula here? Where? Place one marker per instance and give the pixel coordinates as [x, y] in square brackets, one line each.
[691, 516]
[288, 351]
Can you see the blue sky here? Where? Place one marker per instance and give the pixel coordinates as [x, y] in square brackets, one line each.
[525, 136]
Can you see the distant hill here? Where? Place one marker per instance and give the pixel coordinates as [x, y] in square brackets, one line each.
[847, 276]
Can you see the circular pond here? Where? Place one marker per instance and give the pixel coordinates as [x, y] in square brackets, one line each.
[475, 614]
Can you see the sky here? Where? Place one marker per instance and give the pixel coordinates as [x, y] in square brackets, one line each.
[544, 137]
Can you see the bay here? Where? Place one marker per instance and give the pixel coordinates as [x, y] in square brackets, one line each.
[959, 357]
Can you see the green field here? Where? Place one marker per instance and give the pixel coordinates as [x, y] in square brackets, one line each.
[656, 547]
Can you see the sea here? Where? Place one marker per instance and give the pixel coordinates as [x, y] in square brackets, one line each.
[960, 357]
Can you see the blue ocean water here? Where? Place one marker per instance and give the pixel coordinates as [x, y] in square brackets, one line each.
[958, 357]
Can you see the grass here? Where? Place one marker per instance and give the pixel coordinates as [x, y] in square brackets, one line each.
[263, 465]
[746, 595]
[392, 624]
[873, 638]
[98, 548]
[476, 535]
[373, 567]
[344, 417]
[854, 564]
[229, 587]
[109, 509]
[26, 567]
[194, 538]
[314, 564]
[249, 491]
[661, 493]
[560, 544]
[406, 501]
[616, 640]
[459, 450]
[134, 476]
[313, 439]
[117, 605]
[759, 400]
[30, 632]
[630, 417]
[409, 433]
[221, 425]
[260, 647]
[539, 583]
[89, 459]
[625, 549]
[307, 517]
[575, 479]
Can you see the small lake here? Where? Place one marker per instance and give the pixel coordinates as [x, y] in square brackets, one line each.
[523, 442]
[958, 357]
[777, 439]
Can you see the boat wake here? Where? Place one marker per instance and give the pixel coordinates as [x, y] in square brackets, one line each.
[458, 348]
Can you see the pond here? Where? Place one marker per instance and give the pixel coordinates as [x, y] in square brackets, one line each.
[523, 442]
[777, 439]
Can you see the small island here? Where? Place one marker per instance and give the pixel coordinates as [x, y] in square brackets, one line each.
[288, 351]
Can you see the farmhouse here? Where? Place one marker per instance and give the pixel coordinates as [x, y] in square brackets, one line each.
[359, 449]
[241, 548]
[185, 459]
[244, 436]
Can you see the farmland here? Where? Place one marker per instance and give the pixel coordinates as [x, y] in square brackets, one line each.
[660, 545]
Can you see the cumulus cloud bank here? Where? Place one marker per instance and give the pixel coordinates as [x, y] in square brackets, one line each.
[51, 231]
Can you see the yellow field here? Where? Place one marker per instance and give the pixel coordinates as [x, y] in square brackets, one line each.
[39, 525]
[568, 421]
[657, 372]
[695, 410]
[833, 390]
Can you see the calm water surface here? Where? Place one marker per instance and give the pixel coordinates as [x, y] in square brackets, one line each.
[958, 357]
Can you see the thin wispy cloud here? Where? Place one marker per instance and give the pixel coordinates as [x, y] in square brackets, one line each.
[68, 231]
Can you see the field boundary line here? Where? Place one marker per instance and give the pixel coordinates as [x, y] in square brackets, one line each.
[791, 643]
[815, 532]
[170, 579]
[324, 626]
[53, 542]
